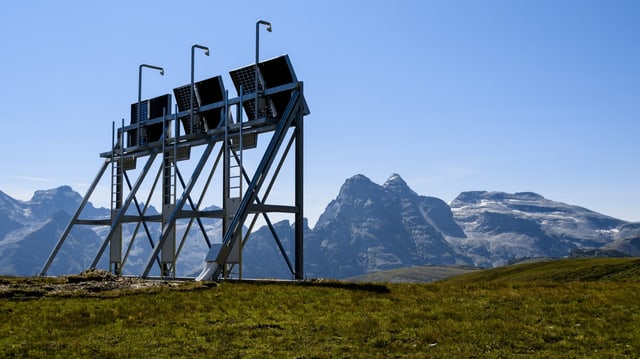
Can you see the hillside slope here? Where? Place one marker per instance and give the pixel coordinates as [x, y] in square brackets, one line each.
[561, 270]
[494, 313]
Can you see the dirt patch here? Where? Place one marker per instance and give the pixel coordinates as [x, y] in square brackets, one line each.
[92, 282]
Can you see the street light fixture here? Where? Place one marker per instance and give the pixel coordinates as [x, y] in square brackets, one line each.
[206, 52]
[140, 96]
[268, 25]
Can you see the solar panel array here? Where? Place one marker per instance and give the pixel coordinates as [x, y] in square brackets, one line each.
[272, 73]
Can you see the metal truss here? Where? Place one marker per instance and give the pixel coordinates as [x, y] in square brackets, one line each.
[243, 194]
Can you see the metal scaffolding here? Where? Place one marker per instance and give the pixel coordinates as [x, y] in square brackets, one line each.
[273, 107]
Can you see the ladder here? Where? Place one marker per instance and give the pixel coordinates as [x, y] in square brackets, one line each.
[116, 168]
[169, 190]
[117, 174]
[234, 148]
[116, 181]
[233, 192]
[233, 153]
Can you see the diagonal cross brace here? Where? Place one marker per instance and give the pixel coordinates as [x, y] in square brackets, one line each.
[74, 218]
[258, 178]
[124, 208]
[264, 199]
[171, 221]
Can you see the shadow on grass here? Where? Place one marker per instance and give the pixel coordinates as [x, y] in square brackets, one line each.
[366, 287]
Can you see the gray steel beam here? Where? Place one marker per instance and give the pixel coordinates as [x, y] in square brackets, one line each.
[171, 221]
[250, 203]
[299, 198]
[258, 179]
[265, 208]
[142, 217]
[195, 208]
[125, 206]
[73, 220]
[253, 126]
[202, 194]
[140, 212]
[260, 207]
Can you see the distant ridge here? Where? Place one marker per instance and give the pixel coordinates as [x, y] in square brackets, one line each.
[367, 228]
[420, 274]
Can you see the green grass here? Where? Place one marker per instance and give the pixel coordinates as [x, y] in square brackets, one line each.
[567, 309]
[420, 274]
[591, 269]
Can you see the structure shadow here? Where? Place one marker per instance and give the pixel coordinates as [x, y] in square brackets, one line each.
[327, 283]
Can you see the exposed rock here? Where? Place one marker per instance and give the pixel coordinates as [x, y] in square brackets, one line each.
[88, 283]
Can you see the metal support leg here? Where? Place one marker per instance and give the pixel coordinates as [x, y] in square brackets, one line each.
[73, 220]
[118, 219]
[299, 215]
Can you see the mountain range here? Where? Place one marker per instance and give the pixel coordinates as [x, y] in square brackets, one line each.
[367, 228]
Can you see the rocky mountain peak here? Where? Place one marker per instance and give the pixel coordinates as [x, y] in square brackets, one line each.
[62, 193]
[367, 227]
[395, 183]
[358, 186]
[357, 180]
[7, 203]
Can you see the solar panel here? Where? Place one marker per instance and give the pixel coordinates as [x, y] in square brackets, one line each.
[132, 135]
[182, 98]
[272, 73]
[149, 109]
[210, 91]
[158, 106]
[143, 111]
[206, 92]
[246, 77]
[277, 71]
[182, 95]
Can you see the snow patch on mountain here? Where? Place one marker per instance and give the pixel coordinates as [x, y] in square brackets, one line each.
[366, 228]
[503, 226]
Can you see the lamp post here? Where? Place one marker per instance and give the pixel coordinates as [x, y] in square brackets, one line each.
[206, 52]
[140, 96]
[268, 25]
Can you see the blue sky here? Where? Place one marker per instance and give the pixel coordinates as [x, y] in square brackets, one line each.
[539, 96]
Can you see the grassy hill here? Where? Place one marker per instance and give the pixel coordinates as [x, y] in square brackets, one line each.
[583, 269]
[420, 274]
[569, 308]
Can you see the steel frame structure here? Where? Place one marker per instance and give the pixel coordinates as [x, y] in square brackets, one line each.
[239, 203]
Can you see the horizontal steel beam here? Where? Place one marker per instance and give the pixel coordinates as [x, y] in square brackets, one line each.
[157, 217]
[215, 135]
[215, 106]
[264, 208]
[256, 126]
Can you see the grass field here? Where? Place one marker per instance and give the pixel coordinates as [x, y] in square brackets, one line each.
[420, 274]
[561, 309]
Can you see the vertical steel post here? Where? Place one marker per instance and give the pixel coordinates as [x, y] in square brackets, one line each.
[115, 245]
[121, 212]
[140, 97]
[258, 23]
[299, 196]
[168, 202]
[206, 52]
[179, 204]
